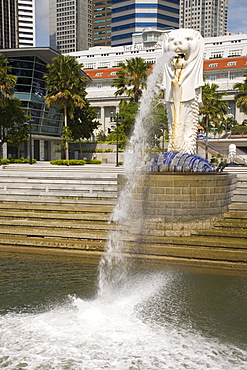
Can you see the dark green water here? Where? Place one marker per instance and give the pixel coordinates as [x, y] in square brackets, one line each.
[163, 316]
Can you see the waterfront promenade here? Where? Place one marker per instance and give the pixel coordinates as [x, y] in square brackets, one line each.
[67, 209]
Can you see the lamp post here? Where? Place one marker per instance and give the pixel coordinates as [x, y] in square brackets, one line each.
[163, 138]
[116, 118]
[30, 142]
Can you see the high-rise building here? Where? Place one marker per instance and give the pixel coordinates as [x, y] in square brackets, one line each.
[26, 26]
[70, 25]
[8, 24]
[130, 16]
[209, 17]
[102, 22]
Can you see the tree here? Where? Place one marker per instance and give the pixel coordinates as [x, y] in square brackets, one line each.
[66, 86]
[241, 97]
[213, 110]
[13, 119]
[14, 122]
[157, 121]
[83, 122]
[132, 78]
[230, 123]
[7, 81]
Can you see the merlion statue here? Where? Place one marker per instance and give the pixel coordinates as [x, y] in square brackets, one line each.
[182, 81]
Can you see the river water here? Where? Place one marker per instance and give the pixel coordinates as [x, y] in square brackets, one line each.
[163, 317]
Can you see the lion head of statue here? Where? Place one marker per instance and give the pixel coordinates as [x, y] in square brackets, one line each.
[186, 45]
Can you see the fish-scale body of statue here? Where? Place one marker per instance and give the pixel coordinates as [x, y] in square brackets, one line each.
[182, 81]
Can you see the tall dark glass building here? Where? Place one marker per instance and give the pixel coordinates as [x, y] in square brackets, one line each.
[8, 24]
[29, 65]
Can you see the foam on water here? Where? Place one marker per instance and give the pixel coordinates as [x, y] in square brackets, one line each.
[110, 335]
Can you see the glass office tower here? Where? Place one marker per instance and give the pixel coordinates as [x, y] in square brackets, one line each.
[131, 16]
[29, 65]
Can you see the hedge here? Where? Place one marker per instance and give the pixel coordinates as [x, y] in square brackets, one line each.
[18, 161]
[74, 162]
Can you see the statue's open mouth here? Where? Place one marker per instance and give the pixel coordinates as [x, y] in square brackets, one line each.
[180, 56]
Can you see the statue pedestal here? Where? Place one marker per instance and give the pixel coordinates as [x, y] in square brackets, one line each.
[181, 197]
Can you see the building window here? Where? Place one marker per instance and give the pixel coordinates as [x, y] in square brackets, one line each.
[213, 65]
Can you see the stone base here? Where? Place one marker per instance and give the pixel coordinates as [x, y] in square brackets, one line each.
[180, 201]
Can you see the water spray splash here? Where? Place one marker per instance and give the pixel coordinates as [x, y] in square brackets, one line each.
[113, 266]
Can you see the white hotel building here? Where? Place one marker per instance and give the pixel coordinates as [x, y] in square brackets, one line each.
[225, 62]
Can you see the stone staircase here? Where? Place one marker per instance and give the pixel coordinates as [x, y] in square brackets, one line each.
[81, 223]
[46, 183]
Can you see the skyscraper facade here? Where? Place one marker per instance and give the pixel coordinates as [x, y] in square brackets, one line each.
[26, 23]
[130, 16]
[102, 22]
[209, 17]
[70, 25]
[8, 24]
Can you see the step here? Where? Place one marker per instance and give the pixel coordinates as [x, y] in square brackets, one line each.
[65, 224]
[46, 199]
[78, 234]
[196, 240]
[236, 198]
[237, 206]
[232, 223]
[98, 206]
[43, 195]
[236, 214]
[206, 254]
[236, 233]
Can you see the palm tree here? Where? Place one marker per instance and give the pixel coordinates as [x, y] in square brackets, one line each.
[241, 97]
[66, 87]
[7, 81]
[213, 109]
[132, 78]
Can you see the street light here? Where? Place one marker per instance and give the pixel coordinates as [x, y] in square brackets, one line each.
[163, 137]
[30, 142]
[116, 118]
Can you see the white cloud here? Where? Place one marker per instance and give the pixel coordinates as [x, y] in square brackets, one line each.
[42, 22]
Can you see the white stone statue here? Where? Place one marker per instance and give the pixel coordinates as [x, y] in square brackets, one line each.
[182, 81]
[232, 152]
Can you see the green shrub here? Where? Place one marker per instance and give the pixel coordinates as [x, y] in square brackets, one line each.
[93, 161]
[239, 130]
[71, 162]
[5, 161]
[18, 161]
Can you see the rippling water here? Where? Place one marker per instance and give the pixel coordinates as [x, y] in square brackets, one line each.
[161, 318]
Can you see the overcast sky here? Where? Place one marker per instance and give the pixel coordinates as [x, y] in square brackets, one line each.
[237, 19]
